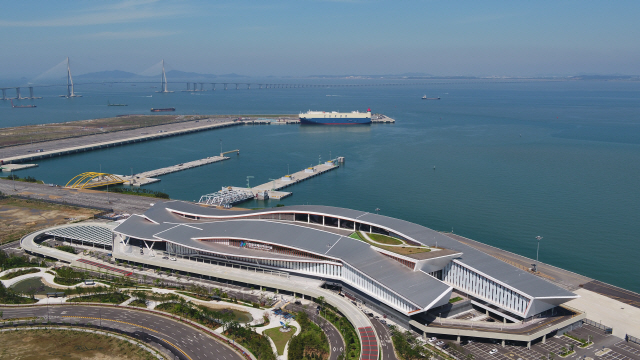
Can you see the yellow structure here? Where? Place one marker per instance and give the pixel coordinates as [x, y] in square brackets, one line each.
[93, 179]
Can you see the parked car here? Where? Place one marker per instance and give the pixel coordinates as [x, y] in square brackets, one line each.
[172, 259]
[432, 339]
[440, 343]
[493, 351]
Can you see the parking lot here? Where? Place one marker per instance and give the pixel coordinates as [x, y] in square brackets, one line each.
[481, 349]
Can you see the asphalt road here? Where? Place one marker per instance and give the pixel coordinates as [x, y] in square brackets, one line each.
[122, 203]
[385, 340]
[333, 335]
[161, 332]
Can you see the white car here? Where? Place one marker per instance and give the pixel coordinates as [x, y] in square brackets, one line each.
[493, 351]
[172, 259]
[432, 339]
[440, 343]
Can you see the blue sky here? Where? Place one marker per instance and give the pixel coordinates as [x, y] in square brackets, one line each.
[308, 37]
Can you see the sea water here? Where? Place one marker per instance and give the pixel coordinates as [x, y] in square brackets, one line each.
[498, 162]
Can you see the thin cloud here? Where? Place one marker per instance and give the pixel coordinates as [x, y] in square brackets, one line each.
[123, 12]
[136, 34]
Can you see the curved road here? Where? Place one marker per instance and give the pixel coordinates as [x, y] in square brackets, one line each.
[335, 339]
[190, 343]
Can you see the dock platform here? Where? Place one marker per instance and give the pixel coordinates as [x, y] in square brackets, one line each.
[16, 167]
[274, 185]
[149, 177]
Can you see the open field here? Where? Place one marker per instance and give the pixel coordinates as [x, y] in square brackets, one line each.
[65, 344]
[19, 217]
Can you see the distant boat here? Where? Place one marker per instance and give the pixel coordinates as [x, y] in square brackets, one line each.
[110, 104]
[22, 106]
[426, 98]
[163, 109]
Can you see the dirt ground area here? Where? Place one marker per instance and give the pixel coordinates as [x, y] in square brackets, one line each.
[66, 344]
[19, 217]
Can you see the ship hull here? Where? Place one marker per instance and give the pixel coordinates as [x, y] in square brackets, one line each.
[330, 121]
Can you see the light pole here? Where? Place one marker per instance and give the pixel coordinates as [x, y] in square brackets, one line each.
[14, 180]
[538, 251]
[377, 211]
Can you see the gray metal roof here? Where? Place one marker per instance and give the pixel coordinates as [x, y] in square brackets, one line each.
[92, 234]
[483, 263]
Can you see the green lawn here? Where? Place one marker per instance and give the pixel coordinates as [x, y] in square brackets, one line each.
[138, 303]
[384, 239]
[402, 250]
[111, 298]
[15, 274]
[280, 338]
[455, 299]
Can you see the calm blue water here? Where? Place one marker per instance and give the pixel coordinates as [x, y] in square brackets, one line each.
[512, 161]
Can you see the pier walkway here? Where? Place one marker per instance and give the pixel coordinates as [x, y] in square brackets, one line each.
[297, 177]
[149, 177]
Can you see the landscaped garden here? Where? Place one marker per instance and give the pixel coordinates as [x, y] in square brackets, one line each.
[311, 343]
[10, 296]
[15, 274]
[401, 250]
[280, 338]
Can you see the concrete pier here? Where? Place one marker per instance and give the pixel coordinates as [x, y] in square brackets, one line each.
[15, 167]
[46, 153]
[273, 186]
[149, 177]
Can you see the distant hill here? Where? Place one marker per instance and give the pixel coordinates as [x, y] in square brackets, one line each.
[112, 74]
[171, 74]
[188, 75]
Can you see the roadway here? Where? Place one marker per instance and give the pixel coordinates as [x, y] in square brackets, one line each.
[162, 333]
[336, 343]
[121, 203]
[386, 344]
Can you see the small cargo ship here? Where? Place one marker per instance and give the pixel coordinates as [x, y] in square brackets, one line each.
[335, 118]
[163, 109]
[426, 98]
[22, 106]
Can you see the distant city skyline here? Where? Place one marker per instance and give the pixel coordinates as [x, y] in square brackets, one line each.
[303, 38]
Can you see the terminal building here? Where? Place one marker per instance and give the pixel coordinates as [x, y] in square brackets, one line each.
[401, 269]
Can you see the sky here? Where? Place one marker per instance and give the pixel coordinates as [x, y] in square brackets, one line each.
[314, 37]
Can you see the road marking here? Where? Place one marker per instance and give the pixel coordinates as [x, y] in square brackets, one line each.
[103, 319]
[184, 353]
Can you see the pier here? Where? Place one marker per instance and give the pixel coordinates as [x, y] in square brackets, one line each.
[231, 195]
[297, 177]
[150, 177]
[45, 153]
[15, 167]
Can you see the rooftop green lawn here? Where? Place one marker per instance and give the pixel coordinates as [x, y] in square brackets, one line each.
[400, 250]
[385, 239]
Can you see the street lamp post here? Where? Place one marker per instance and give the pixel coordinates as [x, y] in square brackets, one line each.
[538, 250]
